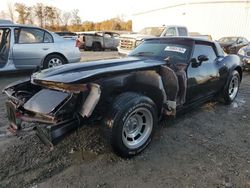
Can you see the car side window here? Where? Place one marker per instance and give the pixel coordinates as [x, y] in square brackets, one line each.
[203, 49]
[30, 35]
[182, 31]
[170, 32]
[47, 38]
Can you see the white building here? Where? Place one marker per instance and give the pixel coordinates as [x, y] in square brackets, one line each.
[217, 18]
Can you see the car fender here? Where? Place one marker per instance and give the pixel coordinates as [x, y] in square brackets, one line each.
[233, 63]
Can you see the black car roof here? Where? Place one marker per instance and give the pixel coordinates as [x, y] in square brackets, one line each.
[181, 38]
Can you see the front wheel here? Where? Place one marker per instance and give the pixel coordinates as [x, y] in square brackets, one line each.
[232, 88]
[133, 118]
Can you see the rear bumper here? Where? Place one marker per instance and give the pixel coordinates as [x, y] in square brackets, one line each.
[74, 60]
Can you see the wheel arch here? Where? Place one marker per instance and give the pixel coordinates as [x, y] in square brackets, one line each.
[240, 71]
[153, 92]
[146, 82]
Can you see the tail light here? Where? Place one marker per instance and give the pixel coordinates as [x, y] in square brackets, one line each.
[78, 43]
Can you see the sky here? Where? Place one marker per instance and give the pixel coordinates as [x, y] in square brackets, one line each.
[97, 10]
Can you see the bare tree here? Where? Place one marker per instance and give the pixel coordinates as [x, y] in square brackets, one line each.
[58, 17]
[11, 11]
[30, 16]
[66, 18]
[22, 12]
[76, 20]
[3, 15]
[39, 13]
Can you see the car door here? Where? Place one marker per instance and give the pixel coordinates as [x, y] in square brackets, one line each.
[203, 80]
[31, 46]
[116, 40]
[108, 40]
[5, 45]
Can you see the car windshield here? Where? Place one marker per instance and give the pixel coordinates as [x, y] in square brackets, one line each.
[228, 39]
[155, 31]
[176, 50]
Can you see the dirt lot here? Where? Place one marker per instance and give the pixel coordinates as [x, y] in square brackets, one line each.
[207, 147]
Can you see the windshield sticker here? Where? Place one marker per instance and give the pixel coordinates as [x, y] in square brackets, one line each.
[175, 49]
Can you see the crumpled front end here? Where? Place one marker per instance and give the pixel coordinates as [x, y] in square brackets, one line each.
[56, 107]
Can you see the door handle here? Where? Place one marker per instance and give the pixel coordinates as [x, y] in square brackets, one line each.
[45, 48]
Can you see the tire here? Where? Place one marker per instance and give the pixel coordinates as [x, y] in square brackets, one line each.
[231, 90]
[132, 119]
[53, 61]
[96, 46]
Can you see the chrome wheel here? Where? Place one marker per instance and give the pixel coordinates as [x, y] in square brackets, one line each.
[233, 87]
[54, 62]
[137, 128]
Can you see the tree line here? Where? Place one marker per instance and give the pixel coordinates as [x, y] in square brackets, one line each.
[54, 19]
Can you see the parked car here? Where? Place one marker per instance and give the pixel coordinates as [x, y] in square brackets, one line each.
[67, 34]
[27, 47]
[161, 77]
[231, 45]
[244, 54]
[101, 40]
[129, 41]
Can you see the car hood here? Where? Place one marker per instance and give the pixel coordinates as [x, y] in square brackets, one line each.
[136, 36]
[83, 72]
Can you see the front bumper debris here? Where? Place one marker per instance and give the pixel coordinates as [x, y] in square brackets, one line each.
[55, 111]
[52, 134]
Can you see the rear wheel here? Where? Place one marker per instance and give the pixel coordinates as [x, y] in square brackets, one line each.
[232, 88]
[53, 61]
[133, 118]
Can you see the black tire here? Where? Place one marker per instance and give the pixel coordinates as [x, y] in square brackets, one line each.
[127, 106]
[230, 94]
[96, 46]
[49, 58]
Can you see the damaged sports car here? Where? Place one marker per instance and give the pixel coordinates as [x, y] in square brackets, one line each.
[160, 78]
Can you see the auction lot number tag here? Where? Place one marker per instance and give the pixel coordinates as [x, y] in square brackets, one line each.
[175, 49]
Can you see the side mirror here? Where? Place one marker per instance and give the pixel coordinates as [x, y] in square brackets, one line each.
[202, 58]
[194, 63]
[197, 62]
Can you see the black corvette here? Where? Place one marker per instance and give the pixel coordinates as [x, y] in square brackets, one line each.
[161, 77]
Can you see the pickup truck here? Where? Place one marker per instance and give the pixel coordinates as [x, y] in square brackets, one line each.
[129, 41]
[101, 40]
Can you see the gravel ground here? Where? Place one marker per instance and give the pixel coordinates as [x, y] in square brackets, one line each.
[207, 147]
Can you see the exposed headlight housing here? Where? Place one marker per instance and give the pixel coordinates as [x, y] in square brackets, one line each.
[72, 88]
